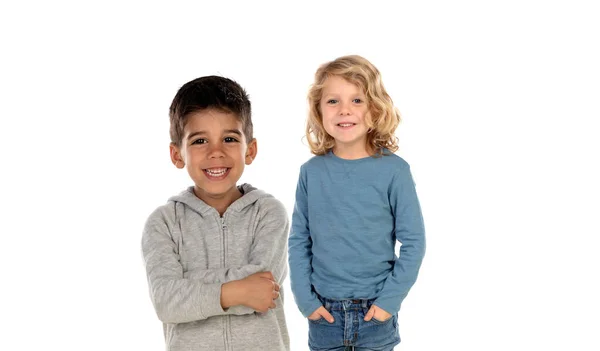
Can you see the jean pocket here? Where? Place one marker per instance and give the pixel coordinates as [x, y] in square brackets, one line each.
[317, 321]
[323, 335]
[375, 333]
[377, 321]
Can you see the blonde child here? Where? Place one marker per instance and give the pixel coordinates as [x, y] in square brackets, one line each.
[354, 199]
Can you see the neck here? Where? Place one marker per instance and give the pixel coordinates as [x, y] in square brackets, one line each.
[352, 152]
[219, 202]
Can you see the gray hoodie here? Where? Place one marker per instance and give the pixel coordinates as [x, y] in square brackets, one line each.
[189, 251]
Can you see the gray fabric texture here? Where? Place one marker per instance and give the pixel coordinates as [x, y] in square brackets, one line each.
[189, 251]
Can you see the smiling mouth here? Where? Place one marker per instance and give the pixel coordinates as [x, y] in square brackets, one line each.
[216, 173]
[346, 125]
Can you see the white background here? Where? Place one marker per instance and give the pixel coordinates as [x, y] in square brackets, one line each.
[500, 101]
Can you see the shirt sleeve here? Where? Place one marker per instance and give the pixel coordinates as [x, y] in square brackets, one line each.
[300, 252]
[410, 232]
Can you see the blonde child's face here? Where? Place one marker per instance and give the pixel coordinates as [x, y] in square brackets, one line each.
[344, 108]
[214, 150]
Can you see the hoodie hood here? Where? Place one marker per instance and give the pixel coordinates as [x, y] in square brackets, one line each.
[249, 197]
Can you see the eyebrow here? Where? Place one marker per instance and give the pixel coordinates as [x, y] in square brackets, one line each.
[226, 131]
[335, 93]
[233, 131]
[337, 96]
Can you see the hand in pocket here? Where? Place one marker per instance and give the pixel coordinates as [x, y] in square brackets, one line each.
[321, 312]
[378, 313]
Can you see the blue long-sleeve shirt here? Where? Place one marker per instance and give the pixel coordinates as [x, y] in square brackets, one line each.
[347, 217]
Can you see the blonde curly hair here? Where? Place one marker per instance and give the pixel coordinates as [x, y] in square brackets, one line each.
[382, 119]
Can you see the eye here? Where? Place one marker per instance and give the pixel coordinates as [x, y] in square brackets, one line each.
[230, 140]
[357, 101]
[199, 141]
[332, 101]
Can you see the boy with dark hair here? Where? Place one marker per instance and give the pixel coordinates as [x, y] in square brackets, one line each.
[215, 254]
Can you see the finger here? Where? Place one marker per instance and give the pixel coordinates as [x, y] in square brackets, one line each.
[276, 286]
[269, 275]
[275, 295]
[370, 314]
[272, 305]
[385, 315]
[315, 315]
[328, 317]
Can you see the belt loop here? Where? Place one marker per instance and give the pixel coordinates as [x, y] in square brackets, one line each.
[364, 303]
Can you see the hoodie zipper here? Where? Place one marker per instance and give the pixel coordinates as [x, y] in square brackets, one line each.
[223, 227]
[227, 321]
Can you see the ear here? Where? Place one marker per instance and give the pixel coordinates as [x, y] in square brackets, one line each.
[176, 156]
[251, 151]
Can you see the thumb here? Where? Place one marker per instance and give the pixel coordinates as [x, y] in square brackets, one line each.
[370, 314]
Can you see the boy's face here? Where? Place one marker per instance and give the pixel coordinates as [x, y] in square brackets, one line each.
[214, 150]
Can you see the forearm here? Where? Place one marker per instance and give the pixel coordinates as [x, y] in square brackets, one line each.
[183, 300]
[187, 300]
[403, 276]
[300, 257]
[300, 252]
[230, 274]
[410, 232]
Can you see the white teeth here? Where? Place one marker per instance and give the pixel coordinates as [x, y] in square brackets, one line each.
[345, 124]
[216, 172]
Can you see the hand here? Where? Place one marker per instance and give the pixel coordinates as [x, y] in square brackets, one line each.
[321, 312]
[378, 313]
[259, 291]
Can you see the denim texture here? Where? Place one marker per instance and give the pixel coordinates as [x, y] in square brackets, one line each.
[350, 331]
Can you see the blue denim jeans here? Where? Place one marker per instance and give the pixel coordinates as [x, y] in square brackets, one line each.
[349, 331]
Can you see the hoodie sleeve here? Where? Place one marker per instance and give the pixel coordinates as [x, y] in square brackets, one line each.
[175, 299]
[410, 232]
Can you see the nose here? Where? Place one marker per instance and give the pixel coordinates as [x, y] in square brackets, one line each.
[216, 151]
[344, 109]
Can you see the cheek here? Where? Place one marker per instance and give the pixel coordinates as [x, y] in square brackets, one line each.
[327, 115]
[364, 114]
[325, 109]
[191, 153]
[327, 120]
[237, 150]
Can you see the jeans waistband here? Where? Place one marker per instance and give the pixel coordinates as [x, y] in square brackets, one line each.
[345, 303]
